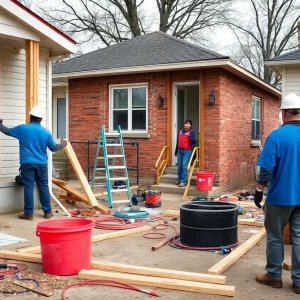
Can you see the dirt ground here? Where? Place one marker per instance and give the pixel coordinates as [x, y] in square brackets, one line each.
[136, 250]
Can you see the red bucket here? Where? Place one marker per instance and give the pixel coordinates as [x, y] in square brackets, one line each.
[205, 180]
[65, 245]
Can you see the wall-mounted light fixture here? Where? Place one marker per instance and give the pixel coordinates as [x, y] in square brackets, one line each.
[211, 98]
[160, 101]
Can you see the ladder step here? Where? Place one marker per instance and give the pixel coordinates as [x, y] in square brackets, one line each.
[100, 177]
[118, 178]
[121, 201]
[116, 167]
[113, 145]
[112, 156]
[118, 190]
[99, 185]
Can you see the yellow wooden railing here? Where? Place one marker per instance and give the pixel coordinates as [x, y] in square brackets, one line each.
[190, 169]
[161, 165]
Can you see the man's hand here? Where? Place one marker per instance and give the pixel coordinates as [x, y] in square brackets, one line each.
[64, 142]
[258, 197]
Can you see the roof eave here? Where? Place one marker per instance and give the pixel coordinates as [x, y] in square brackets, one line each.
[61, 43]
[227, 64]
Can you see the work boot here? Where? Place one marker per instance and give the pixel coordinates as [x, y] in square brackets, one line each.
[296, 289]
[267, 280]
[182, 184]
[25, 217]
[177, 182]
[48, 216]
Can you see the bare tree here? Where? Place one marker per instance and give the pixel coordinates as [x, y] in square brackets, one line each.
[27, 3]
[269, 32]
[188, 19]
[111, 21]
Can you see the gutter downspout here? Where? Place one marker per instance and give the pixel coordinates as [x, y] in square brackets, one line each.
[49, 127]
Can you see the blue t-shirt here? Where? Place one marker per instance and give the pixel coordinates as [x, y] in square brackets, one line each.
[281, 156]
[34, 139]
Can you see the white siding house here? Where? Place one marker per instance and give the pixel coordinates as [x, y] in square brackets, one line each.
[25, 80]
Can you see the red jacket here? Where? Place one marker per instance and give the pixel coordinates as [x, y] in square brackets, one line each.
[184, 140]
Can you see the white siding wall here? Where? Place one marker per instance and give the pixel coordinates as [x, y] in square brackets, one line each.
[12, 105]
[291, 81]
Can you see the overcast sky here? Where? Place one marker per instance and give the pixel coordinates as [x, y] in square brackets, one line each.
[222, 39]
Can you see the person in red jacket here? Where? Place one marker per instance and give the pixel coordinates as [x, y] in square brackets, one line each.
[186, 140]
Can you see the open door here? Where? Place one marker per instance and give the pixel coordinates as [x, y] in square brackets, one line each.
[185, 106]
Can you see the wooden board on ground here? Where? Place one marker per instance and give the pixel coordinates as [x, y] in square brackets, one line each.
[29, 257]
[132, 269]
[287, 265]
[82, 179]
[97, 238]
[165, 283]
[250, 222]
[32, 289]
[231, 258]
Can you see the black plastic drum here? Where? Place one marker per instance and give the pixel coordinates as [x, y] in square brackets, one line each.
[208, 224]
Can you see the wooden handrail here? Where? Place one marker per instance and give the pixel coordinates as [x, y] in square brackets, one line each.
[160, 167]
[191, 170]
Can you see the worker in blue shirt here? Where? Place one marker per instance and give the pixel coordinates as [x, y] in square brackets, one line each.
[280, 167]
[186, 140]
[34, 140]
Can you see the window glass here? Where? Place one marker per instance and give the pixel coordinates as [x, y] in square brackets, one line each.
[120, 117]
[256, 112]
[139, 97]
[61, 118]
[139, 120]
[120, 97]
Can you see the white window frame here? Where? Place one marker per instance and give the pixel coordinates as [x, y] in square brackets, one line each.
[129, 87]
[257, 99]
[54, 110]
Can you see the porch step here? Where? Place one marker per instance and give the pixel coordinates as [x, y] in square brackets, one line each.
[174, 170]
[170, 188]
[172, 178]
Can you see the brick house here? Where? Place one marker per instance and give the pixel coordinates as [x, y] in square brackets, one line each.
[149, 85]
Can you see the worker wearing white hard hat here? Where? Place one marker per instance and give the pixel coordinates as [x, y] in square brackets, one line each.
[280, 169]
[34, 139]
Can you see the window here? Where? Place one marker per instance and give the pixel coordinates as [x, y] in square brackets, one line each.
[256, 118]
[61, 118]
[129, 108]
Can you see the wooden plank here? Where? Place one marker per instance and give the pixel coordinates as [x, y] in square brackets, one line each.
[250, 222]
[287, 265]
[82, 179]
[165, 283]
[33, 289]
[97, 238]
[231, 258]
[72, 198]
[29, 257]
[132, 269]
[58, 182]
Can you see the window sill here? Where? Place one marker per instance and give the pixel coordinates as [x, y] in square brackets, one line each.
[133, 135]
[254, 143]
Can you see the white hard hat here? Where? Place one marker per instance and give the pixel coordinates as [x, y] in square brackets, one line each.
[37, 111]
[290, 101]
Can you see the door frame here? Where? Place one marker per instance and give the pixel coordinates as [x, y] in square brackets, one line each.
[174, 112]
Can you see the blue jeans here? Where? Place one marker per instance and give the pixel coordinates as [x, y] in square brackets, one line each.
[35, 173]
[276, 218]
[183, 158]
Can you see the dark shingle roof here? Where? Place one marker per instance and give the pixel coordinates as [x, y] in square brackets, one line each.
[150, 49]
[294, 55]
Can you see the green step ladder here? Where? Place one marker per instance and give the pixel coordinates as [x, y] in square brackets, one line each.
[110, 164]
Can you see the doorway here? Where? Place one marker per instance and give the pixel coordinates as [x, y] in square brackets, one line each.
[186, 105]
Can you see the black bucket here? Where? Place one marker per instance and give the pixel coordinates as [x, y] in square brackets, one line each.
[208, 224]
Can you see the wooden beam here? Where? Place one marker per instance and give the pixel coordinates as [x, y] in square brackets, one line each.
[82, 179]
[169, 116]
[32, 76]
[201, 123]
[97, 238]
[250, 222]
[58, 182]
[29, 257]
[132, 269]
[287, 265]
[32, 289]
[165, 283]
[70, 197]
[231, 258]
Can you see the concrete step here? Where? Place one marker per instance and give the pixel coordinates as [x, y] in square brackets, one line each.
[172, 178]
[174, 189]
[174, 170]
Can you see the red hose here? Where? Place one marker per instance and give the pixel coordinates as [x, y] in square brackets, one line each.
[111, 283]
[11, 271]
[115, 223]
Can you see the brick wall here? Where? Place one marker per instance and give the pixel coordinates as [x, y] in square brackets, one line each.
[227, 123]
[237, 156]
